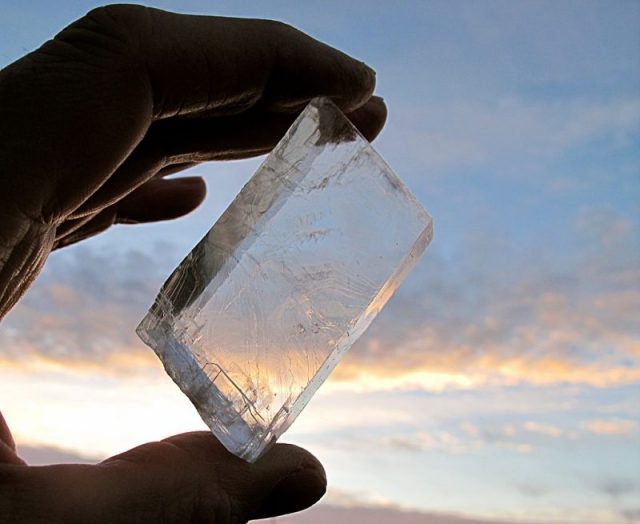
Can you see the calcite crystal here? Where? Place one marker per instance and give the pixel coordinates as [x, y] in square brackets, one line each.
[255, 318]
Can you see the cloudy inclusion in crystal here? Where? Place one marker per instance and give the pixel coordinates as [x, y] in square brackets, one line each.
[260, 312]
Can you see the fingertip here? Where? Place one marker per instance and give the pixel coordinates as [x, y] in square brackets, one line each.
[195, 185]
[162, 199]
[306, 68]
[370, 118]
[187, 193]
[293, 457]
[302, 482]
[294, 493]
[359, 84]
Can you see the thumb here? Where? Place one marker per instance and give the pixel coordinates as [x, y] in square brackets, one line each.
[292, 480]
[193, 470]
[285, 480]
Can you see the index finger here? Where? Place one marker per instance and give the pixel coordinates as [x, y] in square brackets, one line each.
[206, 63]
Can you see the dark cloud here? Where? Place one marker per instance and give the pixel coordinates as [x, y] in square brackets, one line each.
[618, 487]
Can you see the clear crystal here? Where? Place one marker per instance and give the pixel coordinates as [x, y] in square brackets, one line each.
[255, 318]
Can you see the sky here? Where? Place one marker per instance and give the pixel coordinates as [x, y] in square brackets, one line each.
[502, 381]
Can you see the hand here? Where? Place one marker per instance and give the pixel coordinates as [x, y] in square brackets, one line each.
[188, 478]
[92, 122]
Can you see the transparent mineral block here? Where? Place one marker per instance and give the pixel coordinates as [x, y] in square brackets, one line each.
[255, 318]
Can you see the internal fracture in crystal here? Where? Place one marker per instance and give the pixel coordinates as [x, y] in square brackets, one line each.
[255, 318]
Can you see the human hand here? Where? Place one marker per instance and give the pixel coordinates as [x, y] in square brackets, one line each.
[188, 478]
[92, 122]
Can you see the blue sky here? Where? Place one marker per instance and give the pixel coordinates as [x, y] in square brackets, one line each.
[502, 380]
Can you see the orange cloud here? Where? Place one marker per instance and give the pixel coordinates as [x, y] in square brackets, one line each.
[537, 331]
[544, 429]
[554, 348]
[612, 427]
[462, 368]
[593, 343]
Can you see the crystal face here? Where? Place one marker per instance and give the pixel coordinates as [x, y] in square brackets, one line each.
[255, 318]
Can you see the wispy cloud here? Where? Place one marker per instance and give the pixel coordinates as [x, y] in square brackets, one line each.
[463, 437]
[457, 443]
[82, 313]
[616, 427]
[501, 326]
[513, 131]
[548, 430]
[385, 514]
[605, 226]
[618, 487]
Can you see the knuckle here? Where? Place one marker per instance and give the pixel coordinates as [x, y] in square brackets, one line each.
[120, 18]
[280, 29]
[111, 31]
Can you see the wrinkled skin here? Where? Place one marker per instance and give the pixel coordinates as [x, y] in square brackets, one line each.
[90, 125]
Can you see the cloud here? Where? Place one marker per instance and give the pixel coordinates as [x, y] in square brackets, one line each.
[631, 515]
[416, 442]
[508, 130]
[548, 430]
[447, 331]
[614, 427]
[495, 324]
[554, 344]
[506, 433]
[81, 315]
[461, 439]
[618, 487]
[455, 444]
[378, 514]
[532, 490]
[470, 437]
[478, 325]
[421, 420]
[605, 226]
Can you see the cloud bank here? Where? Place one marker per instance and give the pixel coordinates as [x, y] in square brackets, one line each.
[467, 328]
